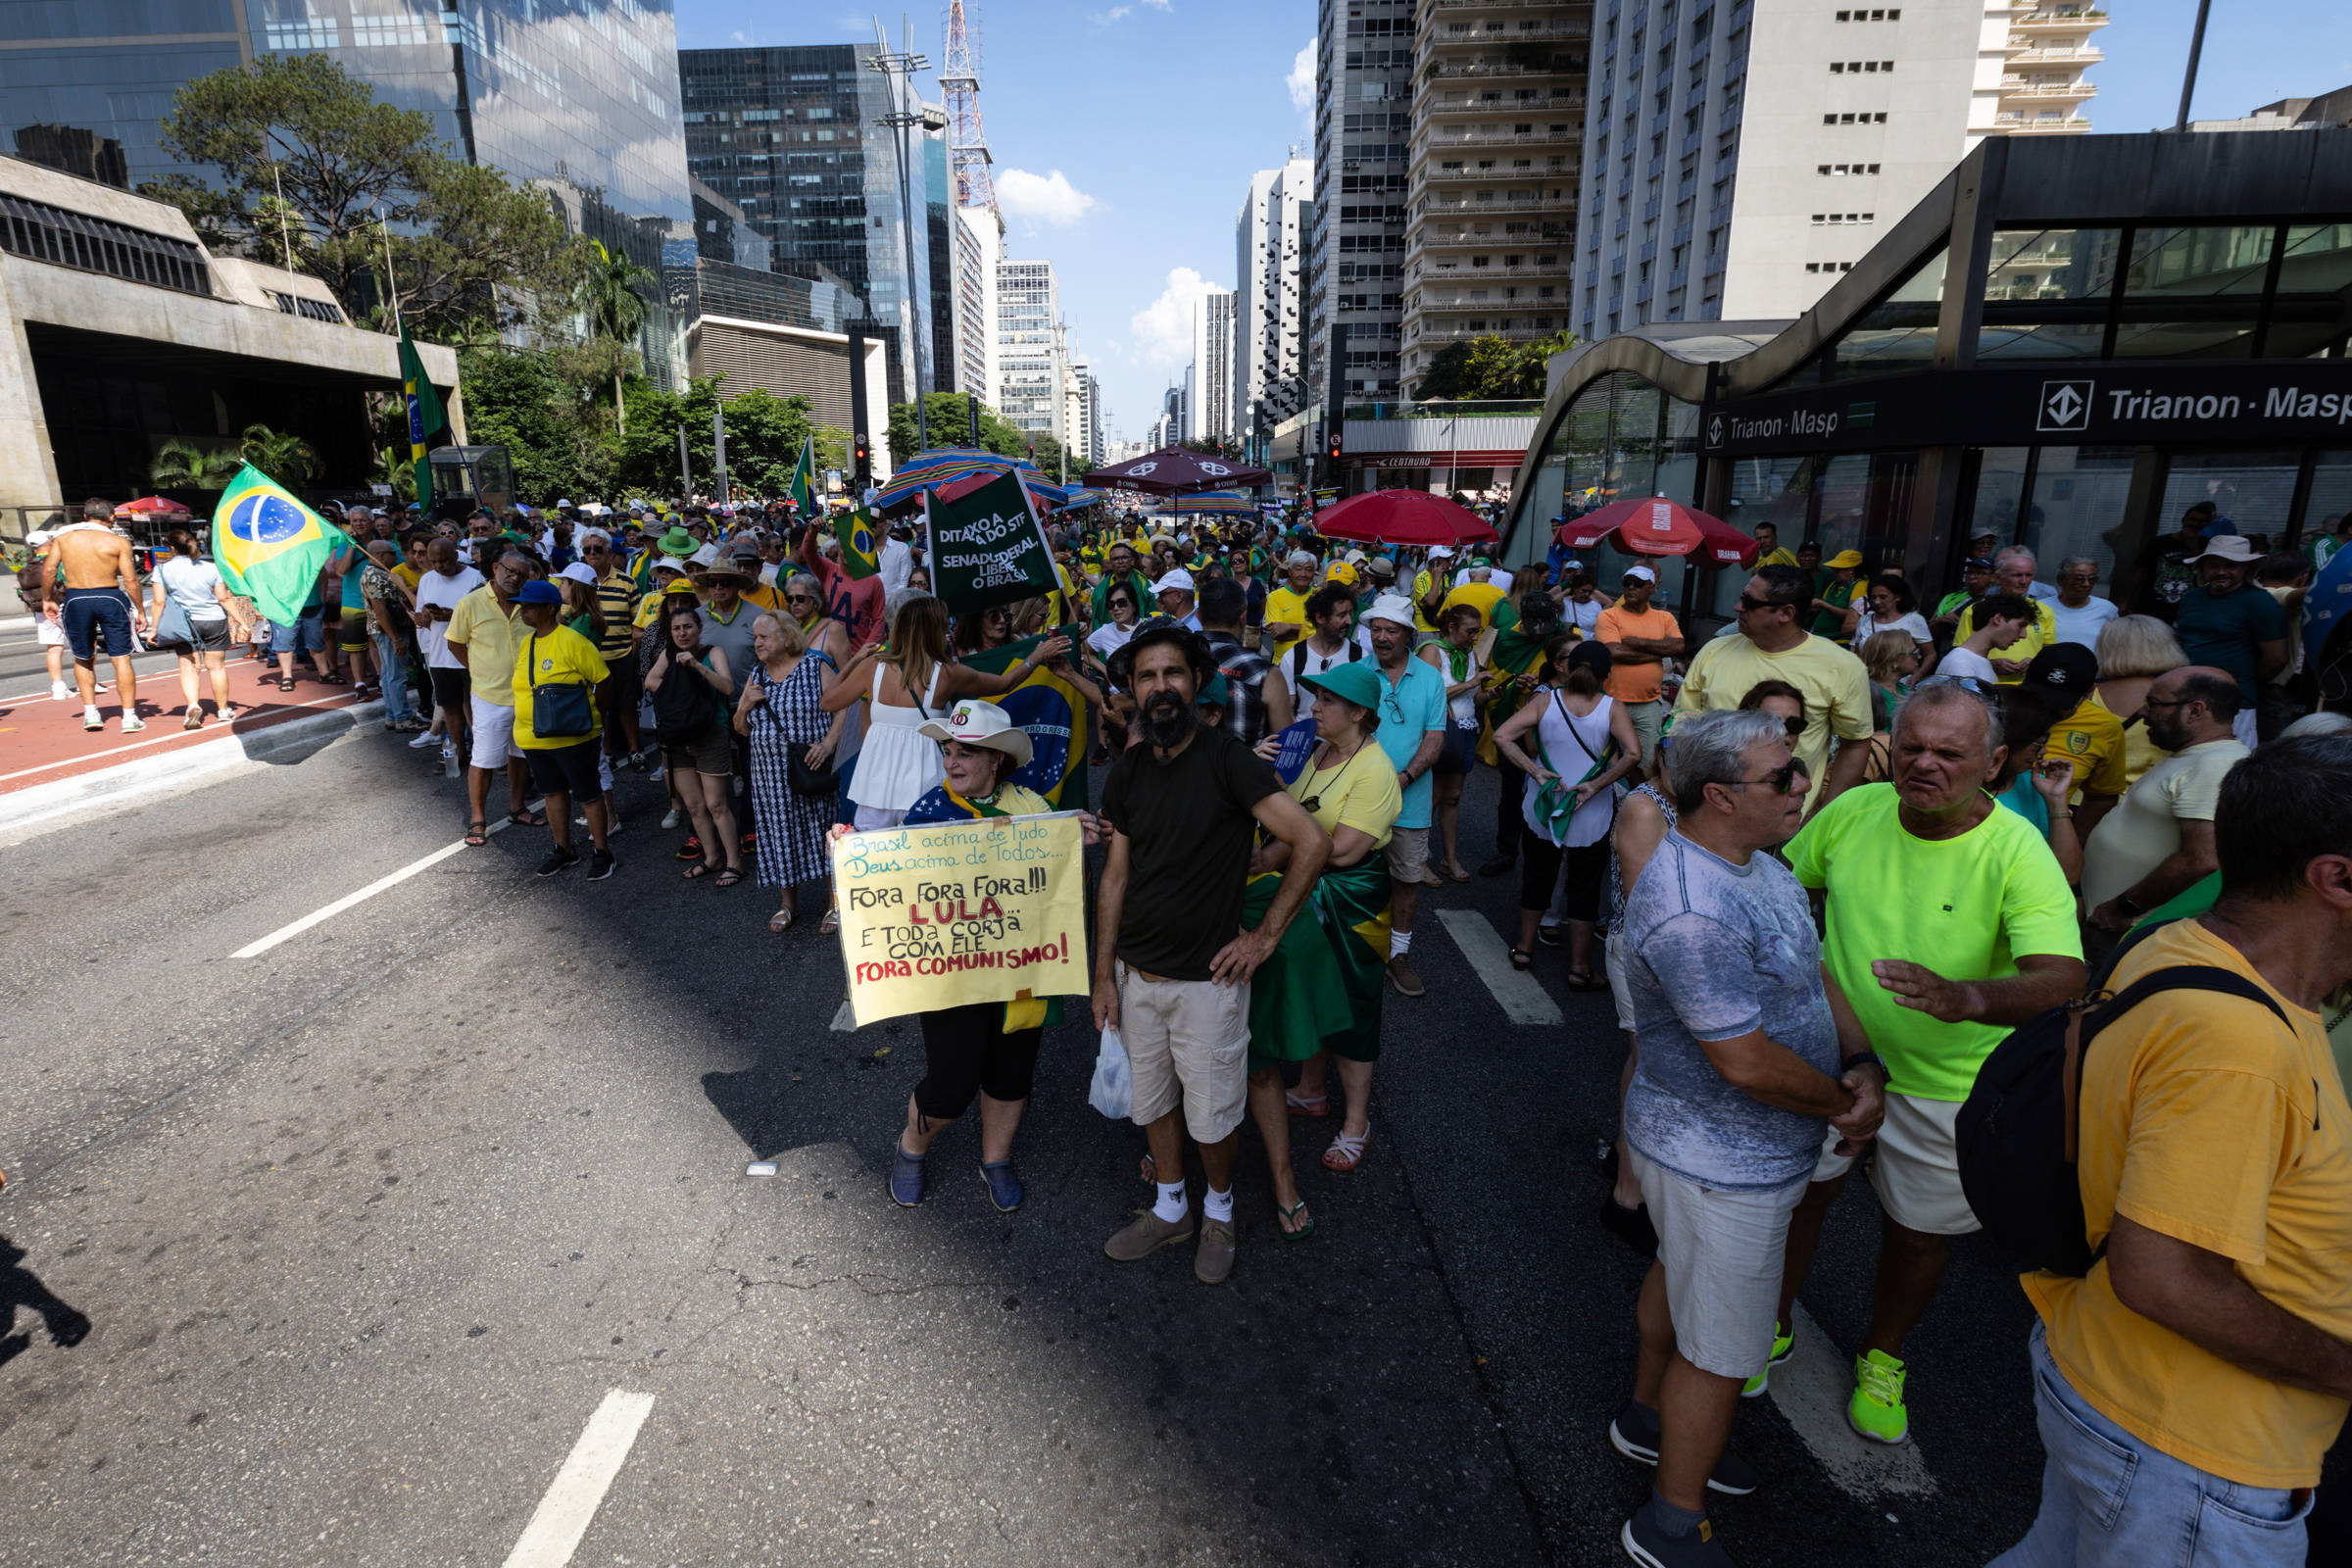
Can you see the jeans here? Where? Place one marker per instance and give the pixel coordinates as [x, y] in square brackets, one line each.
[306, 635]
[2109, 1500]
[392, 671]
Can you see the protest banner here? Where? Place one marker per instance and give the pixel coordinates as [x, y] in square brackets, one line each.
[950, 913]
[987, 547]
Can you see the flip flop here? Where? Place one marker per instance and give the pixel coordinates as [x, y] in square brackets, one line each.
[1587, 981]
[1521, 957]
[1313, 1106]
[780, 921]
[527, 819]
[728, 878]
[1292, 1213]
[699, 869]
[830, 925]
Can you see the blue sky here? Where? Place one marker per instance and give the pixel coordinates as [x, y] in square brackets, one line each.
[1125, 131]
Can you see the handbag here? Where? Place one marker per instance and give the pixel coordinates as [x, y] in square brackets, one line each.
[805, 779]
[560, 712]
[171, 627]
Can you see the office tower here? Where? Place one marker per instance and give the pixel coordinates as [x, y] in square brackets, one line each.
[1498, 120]
[1270, 242]
[940, 229]
[1082, 415]
[1209, 377]
[1029, 353]
[795, 137]
[979, 238]
[1741, 158]
[1363, 126]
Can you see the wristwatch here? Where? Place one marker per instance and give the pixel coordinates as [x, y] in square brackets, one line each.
[2124, 906]
[1862, 1058]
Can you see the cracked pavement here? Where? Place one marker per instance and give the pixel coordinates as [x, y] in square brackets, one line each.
[365, 1228]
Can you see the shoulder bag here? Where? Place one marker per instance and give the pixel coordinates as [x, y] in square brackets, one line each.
[561, 711]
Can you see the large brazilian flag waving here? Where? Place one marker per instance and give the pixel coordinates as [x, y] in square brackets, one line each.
[269, 546]
[1054, 713]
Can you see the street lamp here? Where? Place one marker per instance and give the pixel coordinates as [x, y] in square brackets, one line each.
[899, 70]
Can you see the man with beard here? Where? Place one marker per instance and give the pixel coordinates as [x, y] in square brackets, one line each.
[2159, 838]
[1172, 965]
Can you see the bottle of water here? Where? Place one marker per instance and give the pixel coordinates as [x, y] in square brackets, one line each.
[448, 759]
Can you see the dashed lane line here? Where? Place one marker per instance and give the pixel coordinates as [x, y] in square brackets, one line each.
[1811, 1388]
[1522, 997]
[254, 949]
[572, 1499]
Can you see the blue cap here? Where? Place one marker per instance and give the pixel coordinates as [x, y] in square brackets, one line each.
[539, 592]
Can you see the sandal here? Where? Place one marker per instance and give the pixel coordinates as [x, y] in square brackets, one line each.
[1313, 1106]
[478, 833]
[780, 921]
[830, 925]
[1292, 1213]
[699, 869]
[527, 819]
[1345, 1152]
[1457, 870]
[728, 878]
[1521, 957]
[1586, 980]
[285, 683]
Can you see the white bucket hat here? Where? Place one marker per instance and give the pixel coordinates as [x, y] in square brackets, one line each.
[1394, 607]
[978, 723]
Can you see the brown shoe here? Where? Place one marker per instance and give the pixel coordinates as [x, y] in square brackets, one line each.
[1212, 1265]
[1404, 977]
[1148, 1235]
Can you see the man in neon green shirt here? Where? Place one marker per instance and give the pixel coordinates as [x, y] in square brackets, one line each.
[1949, 923]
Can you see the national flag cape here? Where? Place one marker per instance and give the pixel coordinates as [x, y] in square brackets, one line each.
[269, 546]
[860, 550]
[425, 419]
[802, 488]
[1054, 713]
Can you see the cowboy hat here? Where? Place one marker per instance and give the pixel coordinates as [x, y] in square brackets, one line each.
[978, 723]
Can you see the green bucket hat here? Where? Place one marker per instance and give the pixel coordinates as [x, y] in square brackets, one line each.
[677, 542]
[1351, 682]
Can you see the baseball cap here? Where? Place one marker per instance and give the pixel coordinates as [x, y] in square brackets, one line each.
[538, 592]
[1642, 572]
[1845, 557]
[1977, 564]
[670, 564]
[579, 571]
[1176, 579]
[1440, 552]
[2066, 669]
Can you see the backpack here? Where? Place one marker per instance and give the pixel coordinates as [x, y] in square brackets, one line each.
[1355, 652]
[2016, 1134]
[684, 706]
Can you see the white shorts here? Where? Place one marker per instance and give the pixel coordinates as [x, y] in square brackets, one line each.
[1613, 965]
[1723, 1256]
[493, 734]
[1917, 1174]
[47, 633]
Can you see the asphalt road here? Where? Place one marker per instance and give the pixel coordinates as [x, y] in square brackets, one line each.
[366, 1229]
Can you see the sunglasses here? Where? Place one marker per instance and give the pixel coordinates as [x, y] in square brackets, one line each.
[1781, 780]
[1746, 603]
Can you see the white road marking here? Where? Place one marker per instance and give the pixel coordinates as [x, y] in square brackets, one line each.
[254, 949]
[212, 725]
[1522, 995]
[571, 1501]
[1811, 1388]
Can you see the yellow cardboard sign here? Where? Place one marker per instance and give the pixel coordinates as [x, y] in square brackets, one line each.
[951, 914]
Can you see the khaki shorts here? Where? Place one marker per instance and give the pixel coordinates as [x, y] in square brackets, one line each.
[1722, 1252]
[1917, 1171]
[1408, 854]
[1188, 1044]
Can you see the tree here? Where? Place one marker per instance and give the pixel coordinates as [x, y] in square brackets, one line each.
[764, 435]
[1492, 367]
[543, 418]
[282, 455]
[315, 173]
[950, 414]
[1447, 375]
[183, 465]
[611, 294]
[1229, 450]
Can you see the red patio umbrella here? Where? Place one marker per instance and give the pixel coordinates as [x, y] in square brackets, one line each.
[1658, 526]
[1173, 471]
[151, 507]
[1403, 517]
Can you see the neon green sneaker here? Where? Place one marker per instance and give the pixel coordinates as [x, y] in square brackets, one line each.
[1876, 1411]
[1784, 1345]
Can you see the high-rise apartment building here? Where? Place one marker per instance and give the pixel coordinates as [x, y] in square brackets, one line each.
[1208, 378]
[1363, 125]
[1740, 154]
[1498, 130]
[1029, 347]
[1270, 241]
[1085, 433]
[979, 238]
[795, 137]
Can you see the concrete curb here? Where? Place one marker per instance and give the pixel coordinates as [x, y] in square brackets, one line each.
[42, 805]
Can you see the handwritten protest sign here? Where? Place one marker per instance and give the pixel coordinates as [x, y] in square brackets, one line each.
[951, 914]
[986, 546]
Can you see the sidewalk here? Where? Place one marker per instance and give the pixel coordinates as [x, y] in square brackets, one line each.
[48, 762]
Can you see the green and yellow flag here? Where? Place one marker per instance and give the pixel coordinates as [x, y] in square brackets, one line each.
[802, 488]
[269, 546]
[1053, 714]
[425, 417]
[860, 541]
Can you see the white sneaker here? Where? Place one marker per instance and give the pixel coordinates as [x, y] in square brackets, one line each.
[91, 718]
[132, 724]
[420, 742]
[672, 818]
[60, 692]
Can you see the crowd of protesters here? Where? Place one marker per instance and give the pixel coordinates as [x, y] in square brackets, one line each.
[1847, 846]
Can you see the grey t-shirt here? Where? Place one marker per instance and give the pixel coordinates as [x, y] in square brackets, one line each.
[1718, 951]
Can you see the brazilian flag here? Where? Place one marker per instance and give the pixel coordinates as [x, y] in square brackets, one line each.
[269, 546]
[1054, 713]
[802, 486]
[860, 550]
[425, 417]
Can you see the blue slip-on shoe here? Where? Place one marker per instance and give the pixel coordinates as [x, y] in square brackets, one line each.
[1003, 1185]
[906, 1177]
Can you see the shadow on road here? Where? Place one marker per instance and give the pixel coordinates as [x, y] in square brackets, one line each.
[21, 1286]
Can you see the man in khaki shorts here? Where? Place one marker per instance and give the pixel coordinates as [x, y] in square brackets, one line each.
[1183, 808]
[1949, 923]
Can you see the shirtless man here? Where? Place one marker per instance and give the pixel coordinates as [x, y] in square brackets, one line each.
[97, 601]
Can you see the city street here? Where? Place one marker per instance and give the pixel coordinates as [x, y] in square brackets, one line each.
[422, 1236]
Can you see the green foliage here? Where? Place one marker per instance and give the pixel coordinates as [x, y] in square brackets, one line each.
[183, 465]
[765, 433]
[1229, 450]
[307, 162]
[950, 414]
[1491, 367]
[283, 457]
[612, 297]
[557, 441]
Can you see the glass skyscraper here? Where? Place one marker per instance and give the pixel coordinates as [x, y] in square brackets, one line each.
[794, 137]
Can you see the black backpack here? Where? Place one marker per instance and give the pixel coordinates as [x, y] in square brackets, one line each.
[685, 704]
[2016, 1134]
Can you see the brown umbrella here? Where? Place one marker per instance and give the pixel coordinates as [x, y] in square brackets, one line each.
[1175, 471]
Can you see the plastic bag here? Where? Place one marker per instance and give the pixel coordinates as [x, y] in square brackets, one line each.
[1112, 1092]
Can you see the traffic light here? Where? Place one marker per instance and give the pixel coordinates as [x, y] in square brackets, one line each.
[861, 461]
[1335, 446]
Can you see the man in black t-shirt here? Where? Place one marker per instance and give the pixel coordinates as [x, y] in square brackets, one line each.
[1172, 964]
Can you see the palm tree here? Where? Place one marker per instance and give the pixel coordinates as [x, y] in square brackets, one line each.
[616, 310]
[181, 464]
[283, 457]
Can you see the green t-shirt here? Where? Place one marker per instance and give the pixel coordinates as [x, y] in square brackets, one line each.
[1961, 907]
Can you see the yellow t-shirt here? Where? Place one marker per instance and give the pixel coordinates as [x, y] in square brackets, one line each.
[1482, 597]
[2093, 738]
[410, 576]
[1421, 588]
[1837, 690]
[488, 634]
[558, 657]
[2205, 1118]
[2043, 633]
[1360, 792]
[1281, 605]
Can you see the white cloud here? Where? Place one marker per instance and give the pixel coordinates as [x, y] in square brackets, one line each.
[1163, 329]
[1301, 79]
[1103, 18]
[1047, 198]
[1158, 5]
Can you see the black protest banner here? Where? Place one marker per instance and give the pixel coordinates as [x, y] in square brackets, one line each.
[987, 547]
